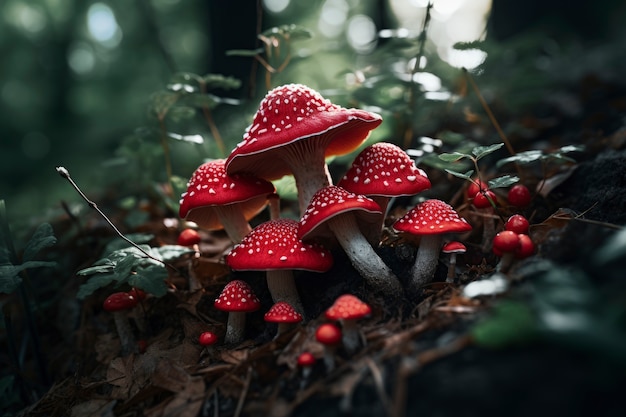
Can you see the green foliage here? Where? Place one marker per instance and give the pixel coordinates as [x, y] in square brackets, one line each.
[132, 267]
[528, 157]
[10, 271]
[290, 31]
[510, 323]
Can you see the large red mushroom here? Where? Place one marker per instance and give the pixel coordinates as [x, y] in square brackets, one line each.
[274, 247]
[293, 131]
[215, 200]
[336, 212]
[430, 220]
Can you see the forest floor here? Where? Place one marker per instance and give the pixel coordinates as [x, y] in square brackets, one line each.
[549, 339]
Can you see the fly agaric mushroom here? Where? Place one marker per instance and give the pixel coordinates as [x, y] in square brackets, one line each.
[284, 315]
[274, 247]
[215, 200]
[117, 303]
[207, 339]
[293, 131]
[453, 249]
[306, 360]
[237, 298]
[347, 309]
[430, 220]
[382, 171]
[328, 335]
[336, 212]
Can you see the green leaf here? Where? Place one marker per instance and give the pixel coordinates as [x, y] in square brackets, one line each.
[244, 52]
[511, 323]
[466, 176]
[522, 158]
[453, 157]
[482, 151]
[172, 252]
[464, 46]
[118, 243]
[503, 181]
[288, 31]
[9, 274]
[161, 102]
[150, 279]
[219, 81]
[42, 238]
[94, 283]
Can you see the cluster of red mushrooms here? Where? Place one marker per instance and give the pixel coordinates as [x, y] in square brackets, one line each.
[293, 132]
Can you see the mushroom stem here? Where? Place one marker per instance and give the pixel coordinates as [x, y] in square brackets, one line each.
[363, 257]
[451, 268]
[234, 222]
[489, 229]
[125, 333]
[351, 337]
[310, 172]
[423, 269]
[283, 288]
[235, 327]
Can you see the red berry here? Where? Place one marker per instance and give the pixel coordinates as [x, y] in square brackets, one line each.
[505, 242]
[188, 237]
[525, 248]
[207, 338]
[306, 359]
[519, 196]
[474, 188]
[481, 201]
[517, 223]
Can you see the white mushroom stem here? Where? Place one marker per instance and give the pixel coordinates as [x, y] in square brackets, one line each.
[363, 257]
[125, 333]
[282, 287]
[234, 222]
[235, 327]
[351, 336]
[423, 269]
[505, 262]
[489, 229]
[373, 235]
[451, 268]
[309, 169]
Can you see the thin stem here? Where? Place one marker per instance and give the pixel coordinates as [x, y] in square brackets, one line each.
[208, 116]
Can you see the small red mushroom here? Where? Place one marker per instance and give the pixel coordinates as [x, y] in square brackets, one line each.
[215, 200]
[383, 171]
[117, 303]
[347, 309]
[237, 298]
[274, 247]
[430, 220]
[207, 338]
[519, 195]
[188, 237]
[293, 131]
[328, 335]
[284, 315]
[306, 360]
[453, 248]
[336, 212]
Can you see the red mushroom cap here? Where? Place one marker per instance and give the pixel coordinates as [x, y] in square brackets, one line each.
[275, 245]
[306, 359]
[454, 247]
[188, 237]
[431, 217]
[348, 307]
[384, 169]
[237, 296]
[519, 196]
[505, 242]
[328, 334]
[209, 186]
[517, 223]
[282, 312]
[332, 201]
[207, 338]
[291, 115]
[119, 301]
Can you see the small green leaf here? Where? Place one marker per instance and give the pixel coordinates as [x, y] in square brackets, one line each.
[482, 151]
[9, 274]
[453, 157]
[288, 31]
[244, 52]
[172, 252]
[42, 238]
[94, 283]
[466, 176]
[521, 158]
[150, 279]
[511, 323]
[219, 81]
[161, 102]
[503, 181]
[97, 269]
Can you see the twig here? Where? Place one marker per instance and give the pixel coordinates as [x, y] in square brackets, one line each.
[244, 392]
[66, 174]
[378, 382]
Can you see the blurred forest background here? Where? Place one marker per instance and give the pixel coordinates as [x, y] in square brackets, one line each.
[82, 82]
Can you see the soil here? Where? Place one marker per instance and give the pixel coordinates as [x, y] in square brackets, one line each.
[422, 356]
